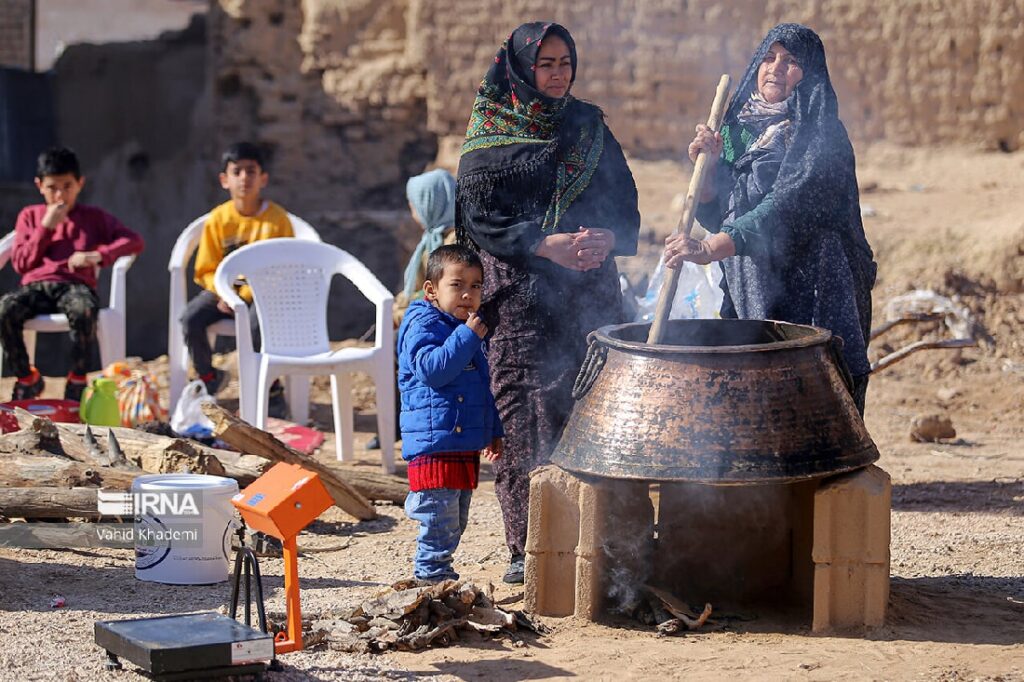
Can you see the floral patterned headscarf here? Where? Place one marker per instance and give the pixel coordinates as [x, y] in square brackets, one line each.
[508, 108]
[531, 153]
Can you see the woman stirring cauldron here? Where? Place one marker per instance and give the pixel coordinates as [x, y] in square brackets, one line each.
[782, 203]
[546, 196]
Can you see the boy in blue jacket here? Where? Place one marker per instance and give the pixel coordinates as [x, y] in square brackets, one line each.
[448, 413]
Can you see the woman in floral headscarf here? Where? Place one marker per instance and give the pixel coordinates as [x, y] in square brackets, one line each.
[782, 202]
[546, 196]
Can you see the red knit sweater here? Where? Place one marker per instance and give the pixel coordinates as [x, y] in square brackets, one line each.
[452, 470]
[41, 255]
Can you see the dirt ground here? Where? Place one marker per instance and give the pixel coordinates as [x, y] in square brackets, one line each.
[947, 220]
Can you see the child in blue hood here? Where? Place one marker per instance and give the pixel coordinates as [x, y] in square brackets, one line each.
[448, 414]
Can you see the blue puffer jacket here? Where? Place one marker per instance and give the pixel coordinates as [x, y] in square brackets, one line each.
[447, 404]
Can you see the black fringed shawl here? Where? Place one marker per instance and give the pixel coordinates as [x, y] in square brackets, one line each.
[792, 206]
[533, 165]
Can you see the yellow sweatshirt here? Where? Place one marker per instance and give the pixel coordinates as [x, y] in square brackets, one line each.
[226, 230]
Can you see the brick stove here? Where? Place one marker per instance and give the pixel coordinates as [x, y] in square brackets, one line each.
[727, 465]
[821, 545]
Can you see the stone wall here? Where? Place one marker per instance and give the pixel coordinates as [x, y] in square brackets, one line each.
[918, 72]
[327, 87]
[16, 33]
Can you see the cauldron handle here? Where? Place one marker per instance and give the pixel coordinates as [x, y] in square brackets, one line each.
[835, 346]
[592, 365]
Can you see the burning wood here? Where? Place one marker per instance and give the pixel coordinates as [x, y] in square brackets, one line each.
[410, 615]
[683, 617]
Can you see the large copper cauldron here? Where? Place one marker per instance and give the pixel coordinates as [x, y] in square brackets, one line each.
[722, 401]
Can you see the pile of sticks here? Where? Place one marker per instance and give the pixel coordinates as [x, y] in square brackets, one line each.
[410, 616]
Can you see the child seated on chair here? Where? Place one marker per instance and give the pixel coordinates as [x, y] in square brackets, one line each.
[58, 248]
[448, 413]
[245, 218]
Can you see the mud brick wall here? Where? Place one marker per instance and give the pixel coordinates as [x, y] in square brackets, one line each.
[328, 87]
[16, 40]
[917, 72]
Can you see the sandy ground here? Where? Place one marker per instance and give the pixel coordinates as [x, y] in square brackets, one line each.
[946, 220]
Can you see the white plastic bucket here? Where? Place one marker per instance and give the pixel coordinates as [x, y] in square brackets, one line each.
[183, 527]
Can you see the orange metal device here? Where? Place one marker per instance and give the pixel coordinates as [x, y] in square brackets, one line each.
[281, 502]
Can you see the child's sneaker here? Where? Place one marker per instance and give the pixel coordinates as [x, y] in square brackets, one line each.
[74, 387]
[31, 388]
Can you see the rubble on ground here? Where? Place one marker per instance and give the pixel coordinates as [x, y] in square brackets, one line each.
[412, 615]
[930, 428]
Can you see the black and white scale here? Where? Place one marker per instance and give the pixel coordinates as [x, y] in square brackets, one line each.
[187, 647]
[197, 645]
[280, 503]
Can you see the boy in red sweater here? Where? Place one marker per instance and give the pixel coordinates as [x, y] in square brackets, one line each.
[58, 249]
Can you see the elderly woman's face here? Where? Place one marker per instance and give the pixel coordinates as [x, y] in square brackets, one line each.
[553, 70]
[778, 74]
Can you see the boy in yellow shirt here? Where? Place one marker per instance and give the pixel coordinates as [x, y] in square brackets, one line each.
[243, 219]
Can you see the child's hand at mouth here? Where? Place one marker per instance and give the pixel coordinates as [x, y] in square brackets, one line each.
[476, 324]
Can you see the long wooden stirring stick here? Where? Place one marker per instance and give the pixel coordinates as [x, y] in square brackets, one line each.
[668, 287]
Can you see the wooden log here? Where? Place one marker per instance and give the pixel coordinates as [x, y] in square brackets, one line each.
[371, 484]
[36, 436]
[243, 468]
[152, 453]
[375, 485]
[48, 503]
[253, 441]
[157, 454]
[36, 424]
[20, 471]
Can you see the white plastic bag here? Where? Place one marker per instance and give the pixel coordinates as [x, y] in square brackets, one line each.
[955, 314]
[698, 295]
[188, 419]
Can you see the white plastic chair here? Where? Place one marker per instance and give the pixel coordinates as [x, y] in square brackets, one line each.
[110, 322]
[290, 281]
[177, 352]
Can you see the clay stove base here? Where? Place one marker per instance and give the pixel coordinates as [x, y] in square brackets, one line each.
[822, 544]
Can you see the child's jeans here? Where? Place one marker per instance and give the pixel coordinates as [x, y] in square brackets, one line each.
[443, 514]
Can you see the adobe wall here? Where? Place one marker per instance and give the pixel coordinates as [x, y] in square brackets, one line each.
[326, 85]
[917, 72]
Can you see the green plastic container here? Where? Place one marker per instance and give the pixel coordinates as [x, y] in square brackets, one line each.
[100, 407]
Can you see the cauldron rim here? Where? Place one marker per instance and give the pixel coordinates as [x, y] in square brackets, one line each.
[815, 336]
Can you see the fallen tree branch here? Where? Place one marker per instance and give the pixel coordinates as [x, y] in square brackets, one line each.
[20, 471]
[906, 319]
[148, 452]
[906, 351]
[48, 503]
[253, 441]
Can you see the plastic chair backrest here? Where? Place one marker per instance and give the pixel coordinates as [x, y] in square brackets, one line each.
[188, 240]
[291, 281]
[6, 245]
[302, 229]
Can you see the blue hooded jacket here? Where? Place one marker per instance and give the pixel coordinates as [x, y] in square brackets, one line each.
[445, 385]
